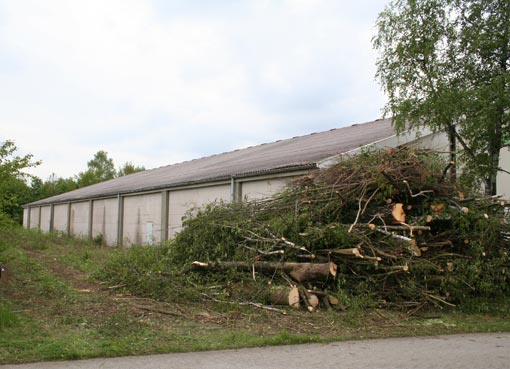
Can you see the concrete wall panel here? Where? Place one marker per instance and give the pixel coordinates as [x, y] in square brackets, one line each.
[142, 219]
[34, 217]
[60, 218]
[255, 190]
[181, 201]
[25, 217]
[503, 181]
[80, 219]
[104, 220]
[45, 218]
[436, 141]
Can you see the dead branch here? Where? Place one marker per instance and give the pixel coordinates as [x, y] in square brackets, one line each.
[300, 272]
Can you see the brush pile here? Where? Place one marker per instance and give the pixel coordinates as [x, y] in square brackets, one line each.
[384, 225]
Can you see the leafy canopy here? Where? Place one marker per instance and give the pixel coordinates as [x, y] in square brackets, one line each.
[444, 65]
[14, 190]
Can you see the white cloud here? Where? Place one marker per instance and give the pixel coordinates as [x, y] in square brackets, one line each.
[155, 82]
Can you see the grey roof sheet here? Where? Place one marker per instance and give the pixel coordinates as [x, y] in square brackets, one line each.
[294, 153]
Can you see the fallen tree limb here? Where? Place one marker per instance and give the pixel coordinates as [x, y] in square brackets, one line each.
[372, 227]
[347, 252]
[156, 310]
[300, 272]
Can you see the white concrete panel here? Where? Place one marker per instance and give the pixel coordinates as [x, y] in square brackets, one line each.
[181, 201]
[436, 141]
[25, 217]
[34, 217]
[142, 219]
[255, 190]
[60, 217]
[80, 219]
[503, 180]
[104, 220]
[45, 218]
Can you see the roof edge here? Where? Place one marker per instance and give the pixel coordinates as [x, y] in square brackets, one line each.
[291, 168]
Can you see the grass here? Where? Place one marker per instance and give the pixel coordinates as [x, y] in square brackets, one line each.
[51, 309]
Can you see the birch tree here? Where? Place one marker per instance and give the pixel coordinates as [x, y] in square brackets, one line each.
[444, 65]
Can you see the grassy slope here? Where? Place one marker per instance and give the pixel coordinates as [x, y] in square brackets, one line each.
[51, 309]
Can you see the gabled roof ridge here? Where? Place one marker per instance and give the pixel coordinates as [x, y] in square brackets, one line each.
[267, 143]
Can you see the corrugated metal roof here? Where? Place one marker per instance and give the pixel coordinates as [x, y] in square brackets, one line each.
[285, 155]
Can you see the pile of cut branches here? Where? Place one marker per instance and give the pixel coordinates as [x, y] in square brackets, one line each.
[385, 224]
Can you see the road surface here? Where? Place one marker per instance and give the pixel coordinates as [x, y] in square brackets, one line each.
[456, 351]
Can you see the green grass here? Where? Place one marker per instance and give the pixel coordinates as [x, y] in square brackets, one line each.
[46, 312]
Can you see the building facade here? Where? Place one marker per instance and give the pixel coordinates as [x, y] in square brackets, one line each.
[148, 207]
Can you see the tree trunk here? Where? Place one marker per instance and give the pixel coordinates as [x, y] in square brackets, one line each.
[285, 296]
[452, 138]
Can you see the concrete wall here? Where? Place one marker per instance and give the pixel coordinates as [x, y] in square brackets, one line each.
[45, 218]
[25, 218]
[80, 219]
[436, 141]
[34, 217]
[254, 190]
[503, 182]
[142, 214]
[104, 220]
[60, 217]
[181, 201]
[142, 219]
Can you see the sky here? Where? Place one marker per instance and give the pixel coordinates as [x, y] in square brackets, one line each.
[156, 82]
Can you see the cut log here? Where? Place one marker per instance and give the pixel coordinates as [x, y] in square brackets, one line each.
[301, 272]
[331, 299]
[314, 272]
[285, 296]
[398, 213]
[313, 300]
[294, 297]
[347, 252]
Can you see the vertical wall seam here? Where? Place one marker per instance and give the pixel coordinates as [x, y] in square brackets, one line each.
[28, 217]
[68, 219]
[52, 217]
[235, 190]
[120, 219]
[91, 218]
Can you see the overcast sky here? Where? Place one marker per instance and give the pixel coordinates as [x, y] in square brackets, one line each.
[157, 82]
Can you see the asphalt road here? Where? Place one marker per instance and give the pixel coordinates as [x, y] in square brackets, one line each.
[484, 351]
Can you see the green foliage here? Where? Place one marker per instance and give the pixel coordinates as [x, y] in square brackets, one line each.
[52, 186]
[100, 168]
[8, 318]
[214, 239]
[14, 190]
[316, 213]
[129, 168]
[67, 323]
[145, 271]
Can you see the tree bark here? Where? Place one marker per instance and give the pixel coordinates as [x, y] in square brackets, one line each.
[285, 296]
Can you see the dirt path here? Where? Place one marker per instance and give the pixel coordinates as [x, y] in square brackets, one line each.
[101, 301]
[447, 352]
[96, 303]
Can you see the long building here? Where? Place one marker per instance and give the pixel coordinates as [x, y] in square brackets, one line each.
[148, 207]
